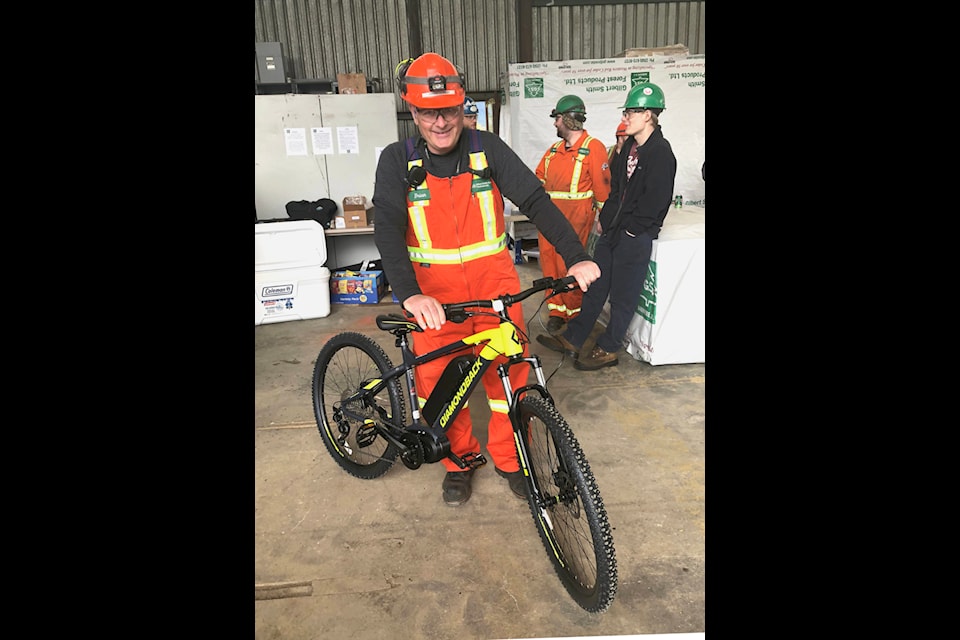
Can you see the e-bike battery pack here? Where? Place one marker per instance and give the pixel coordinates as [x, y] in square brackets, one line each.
[447, 386]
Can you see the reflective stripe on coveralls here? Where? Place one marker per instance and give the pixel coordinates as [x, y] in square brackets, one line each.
[457, 243]
[572, 194]
[562, 167]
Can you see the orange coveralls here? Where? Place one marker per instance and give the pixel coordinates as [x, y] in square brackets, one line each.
[458, 244]
[578, 182]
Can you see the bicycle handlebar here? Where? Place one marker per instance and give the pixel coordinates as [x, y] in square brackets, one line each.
[455, 310]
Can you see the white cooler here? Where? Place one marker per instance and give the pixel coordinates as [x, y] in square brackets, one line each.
[291, 281]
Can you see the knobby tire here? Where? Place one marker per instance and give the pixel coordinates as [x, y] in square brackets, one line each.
[572, 522]
[345, 363]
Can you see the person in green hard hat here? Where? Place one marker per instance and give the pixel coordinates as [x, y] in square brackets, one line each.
[641, 192]
[576, 175]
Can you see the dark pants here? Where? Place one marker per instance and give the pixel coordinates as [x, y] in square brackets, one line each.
[623, 268]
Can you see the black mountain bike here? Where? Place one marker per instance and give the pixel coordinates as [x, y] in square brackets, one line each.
[359, 405]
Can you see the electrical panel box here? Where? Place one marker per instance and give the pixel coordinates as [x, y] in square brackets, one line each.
[270, 63]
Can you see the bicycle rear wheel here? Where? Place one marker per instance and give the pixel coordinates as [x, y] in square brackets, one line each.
[345, 364]
[569, 515]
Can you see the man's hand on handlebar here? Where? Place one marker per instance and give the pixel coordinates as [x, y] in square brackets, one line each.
[427, 311]
[585, 272]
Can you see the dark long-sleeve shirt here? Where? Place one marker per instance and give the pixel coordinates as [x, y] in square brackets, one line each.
[514, 179]
[644, 200]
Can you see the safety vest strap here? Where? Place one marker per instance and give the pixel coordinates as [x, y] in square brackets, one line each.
[582, 153]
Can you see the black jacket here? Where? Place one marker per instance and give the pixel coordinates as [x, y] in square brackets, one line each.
[640, 204]
[515, 180]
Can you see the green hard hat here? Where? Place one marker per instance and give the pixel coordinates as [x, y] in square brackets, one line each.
[645, 95]
[568, 104]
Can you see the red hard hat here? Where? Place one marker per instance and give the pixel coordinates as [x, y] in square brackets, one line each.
[430, 82]
[622, 130]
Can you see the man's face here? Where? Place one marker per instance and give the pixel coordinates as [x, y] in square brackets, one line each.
[470, 121]
[439, 127]
[634, 120]
[562, 130]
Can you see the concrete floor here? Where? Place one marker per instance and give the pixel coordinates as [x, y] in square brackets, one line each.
[344, 558]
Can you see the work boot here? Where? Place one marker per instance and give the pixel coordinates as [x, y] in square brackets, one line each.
[517, 484]
[556, 325]
[598, 359]
[559, 344]
[456, 487]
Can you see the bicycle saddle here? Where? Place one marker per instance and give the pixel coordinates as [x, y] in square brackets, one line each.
[394, 322]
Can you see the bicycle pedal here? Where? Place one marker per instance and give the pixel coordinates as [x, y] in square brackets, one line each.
[474, 460]
[366, 433]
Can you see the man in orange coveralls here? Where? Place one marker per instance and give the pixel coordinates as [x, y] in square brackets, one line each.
[576, 175]
[441, 236]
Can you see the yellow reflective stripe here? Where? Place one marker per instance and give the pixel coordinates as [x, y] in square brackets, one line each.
[575, 178]
[546, 161]
[418, 216]
[578, 167]
[457, 256]
[478, 162]
[563, 195]
[562, 308]
[498, 406]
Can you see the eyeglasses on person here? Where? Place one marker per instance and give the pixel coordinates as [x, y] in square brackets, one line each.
[629, 112]
[430, 115]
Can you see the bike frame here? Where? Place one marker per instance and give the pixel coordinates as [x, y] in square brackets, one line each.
[500, 340]
[561, 489]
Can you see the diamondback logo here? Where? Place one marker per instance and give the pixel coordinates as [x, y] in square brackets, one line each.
[455, 401]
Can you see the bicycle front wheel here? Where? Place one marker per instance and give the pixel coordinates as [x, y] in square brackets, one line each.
[569, 513]
[347, 362]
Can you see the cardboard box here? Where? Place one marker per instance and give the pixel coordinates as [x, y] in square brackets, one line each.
[351, 83]
[357, 212]
[678, 49]
[356, 287]
[353, 220]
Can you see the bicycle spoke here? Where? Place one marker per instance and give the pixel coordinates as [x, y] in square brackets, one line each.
[569, 514]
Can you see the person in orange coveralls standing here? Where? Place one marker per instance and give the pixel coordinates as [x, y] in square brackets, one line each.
[576, 175]
[442, 238]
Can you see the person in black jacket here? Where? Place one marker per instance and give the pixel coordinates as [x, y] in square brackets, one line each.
[641, 192]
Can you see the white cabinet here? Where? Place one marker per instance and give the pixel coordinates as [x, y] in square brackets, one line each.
[310, 146]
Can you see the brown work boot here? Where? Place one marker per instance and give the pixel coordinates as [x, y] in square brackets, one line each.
[559, 344]
[515, 479]
[556, 325]
[598, 359]
[456, 487]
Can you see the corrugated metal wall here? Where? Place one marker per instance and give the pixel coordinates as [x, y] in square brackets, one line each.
[586, 32]
[321, 38]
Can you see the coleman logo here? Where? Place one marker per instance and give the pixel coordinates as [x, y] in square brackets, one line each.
[282, 290]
